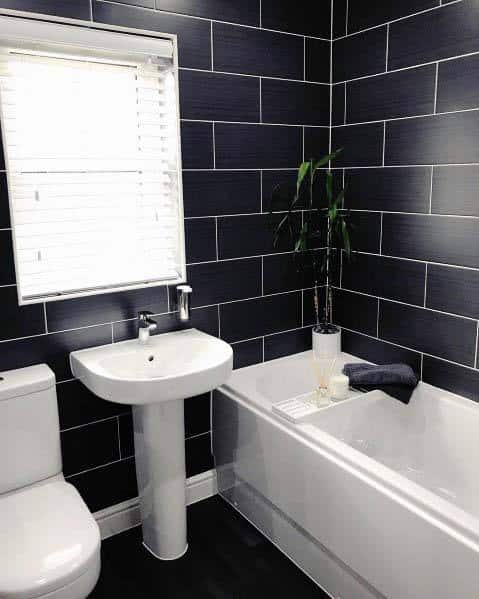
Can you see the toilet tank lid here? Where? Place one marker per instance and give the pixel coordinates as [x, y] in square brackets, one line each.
[23, 381]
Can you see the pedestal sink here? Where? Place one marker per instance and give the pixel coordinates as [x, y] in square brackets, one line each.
[155, 378]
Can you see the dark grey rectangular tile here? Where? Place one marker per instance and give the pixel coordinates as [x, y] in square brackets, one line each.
[363, 15]
[448, 240]
[430, 332]
[210, 193]
[365, 231]
[394, 95]
[282, 185]
[316, 142]
[458, 84]
[246, 11]
[7, 266]
[453, 290]
[389, 278]
[362, 144]
[285, 15]
[360, 55]
[318, 60]
[217, 97]
[295, 103]
[377, 351]
[73, 9]
[450, 31]
[257, 146]
[262, 316]
[455, 190]
[90, 446]
[108, 485]
[198, 455]
[197, 145]
[19, 321]
[287, 272]
[127, 437]
[388, 189]
[218, 282]
[285, 344]
[197, 415]
[257, 52]
[78, 406]
[463, 381]
[250, 235]
[105, 307]
[340, 16]
[354, 311]
[338, 104]
[200, 240]
[194, 35]
[4, 205]
[439, 139]
[52, 349]
[247, 353]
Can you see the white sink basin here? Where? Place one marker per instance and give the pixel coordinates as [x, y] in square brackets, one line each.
[170, 366]
[155, 378]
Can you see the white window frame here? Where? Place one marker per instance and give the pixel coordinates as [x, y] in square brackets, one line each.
[98, 37]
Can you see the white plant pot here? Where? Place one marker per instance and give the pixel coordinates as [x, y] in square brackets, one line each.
[326, 345]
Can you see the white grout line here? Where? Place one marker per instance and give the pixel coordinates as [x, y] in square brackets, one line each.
[45, 316]
[91, 10]
[219, 321]
[212, 47]
[431, 189]
[345, 103]
[347, 18]
[410, 67]
[118, 432]
[233, 74]
[476, 364]
[384, 143]
[436, 81]
[261, 14]
[378, 308]
[394, 20]
[415, 306]
[387, 47]
[256, 123]
[415, 351]
[216, 240]
[214, 146]
[73, 428]
[404, 118]
[195, 17]
[260, 100]
[425, 286]
[381, 234]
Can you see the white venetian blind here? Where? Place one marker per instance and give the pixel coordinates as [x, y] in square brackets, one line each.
[91, 149]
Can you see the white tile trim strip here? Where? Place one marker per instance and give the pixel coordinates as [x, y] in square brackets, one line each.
[123, 516]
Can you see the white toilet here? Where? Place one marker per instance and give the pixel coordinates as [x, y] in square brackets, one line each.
[49, 541]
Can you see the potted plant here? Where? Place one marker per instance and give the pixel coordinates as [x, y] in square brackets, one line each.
[317, 240]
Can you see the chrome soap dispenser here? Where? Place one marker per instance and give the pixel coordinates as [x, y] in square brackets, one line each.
[183, 295]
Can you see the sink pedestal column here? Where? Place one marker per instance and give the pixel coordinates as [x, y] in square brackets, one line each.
[160, 471]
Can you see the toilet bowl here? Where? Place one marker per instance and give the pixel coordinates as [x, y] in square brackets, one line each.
[49, 541]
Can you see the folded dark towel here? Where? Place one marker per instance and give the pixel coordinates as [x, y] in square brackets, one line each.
[396, 380]
[388, 374]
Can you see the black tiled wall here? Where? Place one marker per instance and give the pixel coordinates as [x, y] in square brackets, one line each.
[254, 95]
[406, 108]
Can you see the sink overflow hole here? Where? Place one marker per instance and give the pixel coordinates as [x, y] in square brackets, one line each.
[151, 358]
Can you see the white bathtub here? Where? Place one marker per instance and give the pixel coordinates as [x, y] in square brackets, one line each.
[370, 497]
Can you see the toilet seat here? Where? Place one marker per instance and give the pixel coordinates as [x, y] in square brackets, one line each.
[49, 544]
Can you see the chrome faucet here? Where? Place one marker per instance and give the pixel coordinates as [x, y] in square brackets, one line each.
[146, 325]
[183, 293]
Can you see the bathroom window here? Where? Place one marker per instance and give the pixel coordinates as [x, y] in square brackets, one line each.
[90, 132]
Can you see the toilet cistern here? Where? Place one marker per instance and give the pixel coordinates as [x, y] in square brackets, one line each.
[146, 325]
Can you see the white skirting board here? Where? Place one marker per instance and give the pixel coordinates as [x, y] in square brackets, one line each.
[118, 518]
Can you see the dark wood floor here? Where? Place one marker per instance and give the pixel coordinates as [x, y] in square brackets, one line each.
[227, 559]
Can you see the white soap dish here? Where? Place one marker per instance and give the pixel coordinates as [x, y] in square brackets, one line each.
[297, 408]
